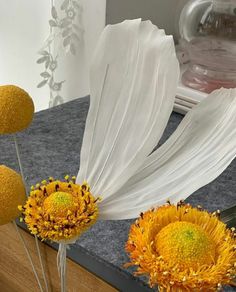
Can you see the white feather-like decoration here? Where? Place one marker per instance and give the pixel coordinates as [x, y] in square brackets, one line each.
[200, 149]
[134, 76]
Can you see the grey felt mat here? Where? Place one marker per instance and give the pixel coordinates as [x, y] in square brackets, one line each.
[51, 146]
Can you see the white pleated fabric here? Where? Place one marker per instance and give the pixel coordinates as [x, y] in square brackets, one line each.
[134, 77]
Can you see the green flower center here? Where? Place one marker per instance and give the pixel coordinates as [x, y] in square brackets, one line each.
[59, 203]
[185, 244]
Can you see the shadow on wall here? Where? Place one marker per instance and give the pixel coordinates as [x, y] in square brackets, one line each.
[24, 30]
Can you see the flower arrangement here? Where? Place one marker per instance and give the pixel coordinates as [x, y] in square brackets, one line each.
[134, 75]
[181, 248]
[17, 111]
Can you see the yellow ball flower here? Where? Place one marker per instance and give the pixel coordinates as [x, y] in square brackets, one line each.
[16, 109]
[60, 211]
[182, 248]
[12, 194]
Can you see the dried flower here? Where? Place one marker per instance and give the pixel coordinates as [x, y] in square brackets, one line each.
[16, 109]
[12, 193]
[60, 211]
[182, 251]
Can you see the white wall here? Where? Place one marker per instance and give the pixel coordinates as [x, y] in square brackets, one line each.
[23, 29]
[75, 69]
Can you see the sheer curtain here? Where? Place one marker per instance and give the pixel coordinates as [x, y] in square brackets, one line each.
[46, 47]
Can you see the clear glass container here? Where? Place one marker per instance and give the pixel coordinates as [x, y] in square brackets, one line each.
[208, 35]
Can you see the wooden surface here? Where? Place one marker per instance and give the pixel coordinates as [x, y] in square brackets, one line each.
[16, 274]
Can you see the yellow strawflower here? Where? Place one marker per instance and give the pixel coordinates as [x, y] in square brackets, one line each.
[181, 248]
[60, 210]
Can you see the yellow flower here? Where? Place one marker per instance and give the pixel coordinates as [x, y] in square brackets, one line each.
[16, 109]
[182, 248]
[60, 211]
[12, 194]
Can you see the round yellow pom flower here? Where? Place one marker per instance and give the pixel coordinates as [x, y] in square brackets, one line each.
[12, 194]
[182, 248]
[60, 211]
[16, 109]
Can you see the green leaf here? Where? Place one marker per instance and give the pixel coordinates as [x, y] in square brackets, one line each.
[57, 100]
[45, 74]
[66, 41]
[76, 5]
[51, 82]
[42, 59]
[78, 28]
[75, 37]
[66, 32]
[72, 49]
[47, 63]
[52, 23]
[42, 83]
[65, 5]
[65, 22]
[44, 53]
[54, 12]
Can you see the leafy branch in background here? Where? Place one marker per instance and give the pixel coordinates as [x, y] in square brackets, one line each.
[65, 26]
[71, 32]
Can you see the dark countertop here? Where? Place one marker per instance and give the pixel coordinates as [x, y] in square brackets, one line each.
[51, 146]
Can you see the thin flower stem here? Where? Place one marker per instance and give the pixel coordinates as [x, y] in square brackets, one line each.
[35, 237]
[41, 263]
[19, 160]
[28, 255]
[61, 265]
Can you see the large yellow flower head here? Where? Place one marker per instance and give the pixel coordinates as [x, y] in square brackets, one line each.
[182, 248]
[16, 109]
[60, 210]
[12, 193]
